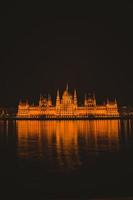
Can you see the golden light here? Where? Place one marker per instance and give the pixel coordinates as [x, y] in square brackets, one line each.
[67, 107]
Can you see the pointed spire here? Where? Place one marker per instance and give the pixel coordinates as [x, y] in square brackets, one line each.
[75, 93]
[85, 100]
[49, 100]
[116, 102]
[58, 93]
[41, 96]
[27, 103]
[20, 102]
[75, 97]
[67, 87]
[58, 98]
[94, 97]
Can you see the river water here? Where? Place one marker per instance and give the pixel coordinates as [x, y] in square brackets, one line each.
[66, 159]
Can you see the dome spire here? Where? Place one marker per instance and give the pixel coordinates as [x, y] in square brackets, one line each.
[75, 97]
[67, 87]
[58, 98]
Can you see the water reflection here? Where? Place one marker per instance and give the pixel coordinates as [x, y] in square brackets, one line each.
[62, 143]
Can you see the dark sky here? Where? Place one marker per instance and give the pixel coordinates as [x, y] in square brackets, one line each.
[42, 47]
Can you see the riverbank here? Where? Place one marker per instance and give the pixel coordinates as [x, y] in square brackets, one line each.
[67, 118]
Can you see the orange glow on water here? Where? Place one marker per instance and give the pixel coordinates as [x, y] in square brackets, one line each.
[63, 138]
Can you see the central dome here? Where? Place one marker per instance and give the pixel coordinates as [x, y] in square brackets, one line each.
[66, 97]
[65, 93]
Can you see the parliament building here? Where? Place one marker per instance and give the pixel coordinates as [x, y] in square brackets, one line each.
[67, 108]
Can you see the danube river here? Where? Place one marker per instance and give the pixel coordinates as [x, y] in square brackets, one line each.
[66, 159]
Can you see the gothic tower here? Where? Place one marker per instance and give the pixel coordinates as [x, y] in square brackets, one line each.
[49, 101]
[85, 100]
[67, 87]
[58, 99]
[94, 99]
[75, 98]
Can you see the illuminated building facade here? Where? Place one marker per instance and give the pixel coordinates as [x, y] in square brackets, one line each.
[67, 107]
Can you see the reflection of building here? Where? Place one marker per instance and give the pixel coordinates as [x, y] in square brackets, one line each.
[67, 107]
[63, 142]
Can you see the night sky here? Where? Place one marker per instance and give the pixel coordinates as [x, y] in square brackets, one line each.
[42, 47]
